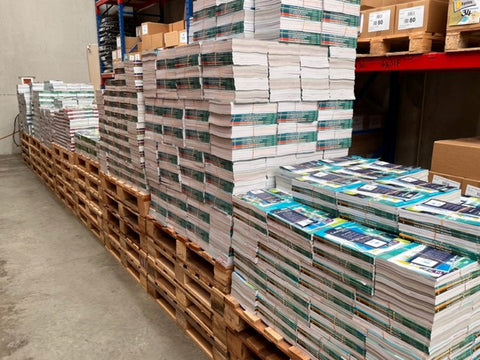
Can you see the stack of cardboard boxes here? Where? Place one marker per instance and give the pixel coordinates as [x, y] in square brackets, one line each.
[382, 18]
[151, 36]
[454, 162]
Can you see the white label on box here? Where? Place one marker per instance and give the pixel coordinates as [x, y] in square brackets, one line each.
[444, 181]
[119, 42]
[472, 191]
[360, 29]
[411, 18]
[183, 37]
[131, 57]
[379, 21]
[138, 57]
[114, 55]
[144, 29]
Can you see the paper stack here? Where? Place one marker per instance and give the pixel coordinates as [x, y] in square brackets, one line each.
[378, 205]
[24, 96]
[149, 65]
[287, 21]
[69, 120]
[122, 125]
[87, 143]
[51, 96]
[235, 70]
[220, 19]
[449, 225]
[424, 306]
[344, 290]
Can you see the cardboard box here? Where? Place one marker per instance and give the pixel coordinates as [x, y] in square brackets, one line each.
[463, 13]
[175, 38]
[379, 22]
[457, 157]
[466, 185]
[130, 42]
[136, 56]
[372, 4]
[177, 26]
[429, 16]
[153, 42]
[116, 55]
[150, 28]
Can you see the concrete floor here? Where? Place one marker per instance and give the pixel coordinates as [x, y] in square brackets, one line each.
[62, 296]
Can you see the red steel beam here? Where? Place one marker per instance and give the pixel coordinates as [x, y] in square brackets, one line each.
[465, 60]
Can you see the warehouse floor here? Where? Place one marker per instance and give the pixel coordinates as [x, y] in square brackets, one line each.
[62, 296]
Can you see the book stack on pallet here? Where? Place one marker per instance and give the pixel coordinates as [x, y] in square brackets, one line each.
[24, 96]
[50, 98]
[122, 125]
[244, 117]
[87, 143]
[335, 287]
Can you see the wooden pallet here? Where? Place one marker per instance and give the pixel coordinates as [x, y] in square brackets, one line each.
[238, 320]
[89, 185]
[90, 166]
[193, 258]
[91, 224]
[63, 154]
[401, 44]
[136, 199]
[461, 38]
[250, 345]
[34, 142]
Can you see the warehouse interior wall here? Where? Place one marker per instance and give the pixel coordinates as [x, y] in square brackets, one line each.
[46, 39]
[430, 106]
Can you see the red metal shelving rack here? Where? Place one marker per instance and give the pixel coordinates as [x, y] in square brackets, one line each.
[464, 60]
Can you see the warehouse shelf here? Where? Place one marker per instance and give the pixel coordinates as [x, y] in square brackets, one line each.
[465, 60]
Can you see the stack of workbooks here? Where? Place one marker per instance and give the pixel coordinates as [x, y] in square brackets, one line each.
[24, 96]
[339, 288]
[122, 125]
[87, 143]
[424, 306]
[449, 225]
[220, 19]
[66, 122]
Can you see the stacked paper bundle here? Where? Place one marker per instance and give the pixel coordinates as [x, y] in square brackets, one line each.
[334, 126]
[378, 205]
[235, 70]
[24, 96]
[122, 125]
[338, 288]
[87, 143]
[67, 121]
[424, 306]
[287, 21]
[219, 19]
[149, 76]
[452, 226]
[56, 95]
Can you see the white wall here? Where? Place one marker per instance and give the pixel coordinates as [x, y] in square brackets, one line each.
[46, 39]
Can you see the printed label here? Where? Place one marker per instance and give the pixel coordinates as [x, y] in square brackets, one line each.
[360, 29]
[183, 37]
[424, 262]
[472, 191]
[411, 18]
[379, 21]
[145, 29]
[444, 181]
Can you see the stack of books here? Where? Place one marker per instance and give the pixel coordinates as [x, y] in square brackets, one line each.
[449, 225]
[122, 125]
[87, 143]
[24, 97]
[424, 306]
[341, 289]
[287, 21]
[67, 121]
[222, 19]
